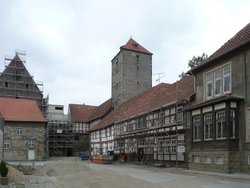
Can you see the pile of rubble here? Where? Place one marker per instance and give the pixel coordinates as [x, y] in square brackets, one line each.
[15, 176]
[27, 170]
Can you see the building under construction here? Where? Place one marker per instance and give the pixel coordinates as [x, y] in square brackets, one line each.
[17, 82]
[60, 136]
[148, 128]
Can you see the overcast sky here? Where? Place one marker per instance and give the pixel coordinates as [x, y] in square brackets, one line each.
[69, 44]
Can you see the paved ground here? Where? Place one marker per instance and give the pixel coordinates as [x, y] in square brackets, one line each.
[71, 172]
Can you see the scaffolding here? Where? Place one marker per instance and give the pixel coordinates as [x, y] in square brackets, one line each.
[153, 137]
[60, 138]
[17, 82]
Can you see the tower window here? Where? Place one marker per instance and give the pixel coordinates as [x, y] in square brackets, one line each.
[27, 86]
[137, 57]
[6, 84]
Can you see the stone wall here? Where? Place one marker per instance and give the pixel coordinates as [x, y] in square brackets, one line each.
[131, 75]
[19, 142]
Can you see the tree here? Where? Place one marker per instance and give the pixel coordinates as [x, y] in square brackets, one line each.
[194, 62]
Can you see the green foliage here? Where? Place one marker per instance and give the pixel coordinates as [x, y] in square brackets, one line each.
[3, 169]
[196, 60]
[183, 74]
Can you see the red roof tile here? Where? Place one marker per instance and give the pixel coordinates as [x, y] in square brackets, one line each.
[153, 98]
[135, 46]
[240, 39]
[81, 113]
[20, 110]
[101, 110]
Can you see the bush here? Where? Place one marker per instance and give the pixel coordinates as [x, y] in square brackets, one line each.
[3, 169]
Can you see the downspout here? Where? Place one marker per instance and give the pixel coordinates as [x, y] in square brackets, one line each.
[245, 76]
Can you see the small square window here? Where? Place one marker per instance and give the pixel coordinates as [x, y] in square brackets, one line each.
[219, 160]
[196, 159]
[207, 159]
[7, 143]
[19, 131]
[31, 143]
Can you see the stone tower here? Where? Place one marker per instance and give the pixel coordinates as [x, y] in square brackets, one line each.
[131, 72]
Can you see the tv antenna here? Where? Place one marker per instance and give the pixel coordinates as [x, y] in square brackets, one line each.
[160, 76]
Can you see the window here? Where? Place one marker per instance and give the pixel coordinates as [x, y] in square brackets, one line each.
[179, 114]
[196, 128]
[227, 79]
[207, 159]
[31, 143]
[27, 86]
[209, 85]
[220, 125]
[58, 108]
[217, 82]
[196, 159]
[7, 143]
[219, 160]
[19, 131]
[161, 118]
[208, 127]
[232, 124]
[6, 84]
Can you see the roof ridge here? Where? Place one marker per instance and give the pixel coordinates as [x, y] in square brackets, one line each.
[135, 46]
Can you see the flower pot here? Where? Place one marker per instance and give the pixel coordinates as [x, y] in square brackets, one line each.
[4, 180]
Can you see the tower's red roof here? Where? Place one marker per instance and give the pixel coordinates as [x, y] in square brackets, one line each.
[135, 46]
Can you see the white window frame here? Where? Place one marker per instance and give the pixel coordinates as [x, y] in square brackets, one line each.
[220, 125]
[196, 159]
[208, 121]
[219, 159]
[208, 81]
[219, 74]
[179, 114]
[196, 124]
[19, 131]
[225, 75]
[207, 159]
[31, 143]
[217, 77]
[7, 143]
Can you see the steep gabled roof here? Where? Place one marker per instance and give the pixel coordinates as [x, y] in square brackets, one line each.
[151, 99]
[81, 113]
[101, 110]
[20, 110]
[135, 46]
[239, 40]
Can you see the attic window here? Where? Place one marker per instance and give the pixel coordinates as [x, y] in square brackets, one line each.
[58, 108]
[135, 45]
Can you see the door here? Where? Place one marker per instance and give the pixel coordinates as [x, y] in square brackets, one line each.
[31, 155]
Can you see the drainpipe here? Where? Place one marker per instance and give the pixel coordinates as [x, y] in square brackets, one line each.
[245, 77]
